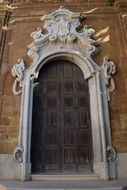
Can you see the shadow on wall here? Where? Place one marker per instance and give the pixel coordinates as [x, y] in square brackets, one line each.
[103, 35]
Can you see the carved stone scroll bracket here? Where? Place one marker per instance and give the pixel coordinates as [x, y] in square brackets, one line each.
[18, 154]
[109, 69]
[37, 34]
[18, 72]
[111, 153]
[33, 53]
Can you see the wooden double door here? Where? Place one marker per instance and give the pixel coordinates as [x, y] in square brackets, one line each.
[61, 132]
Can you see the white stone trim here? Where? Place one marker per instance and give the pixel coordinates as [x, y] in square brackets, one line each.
[9, 169]
[97, 119]
[77, 48]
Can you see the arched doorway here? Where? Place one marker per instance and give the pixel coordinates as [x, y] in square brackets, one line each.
[74, 154]
[61, 127]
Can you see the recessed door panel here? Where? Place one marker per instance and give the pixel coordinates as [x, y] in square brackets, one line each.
[61, 132]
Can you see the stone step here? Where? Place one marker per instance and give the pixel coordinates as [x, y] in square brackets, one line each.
[65, 177]
[63, 185]
[109, 188]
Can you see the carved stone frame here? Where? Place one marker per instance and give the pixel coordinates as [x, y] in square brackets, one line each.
[66, 50]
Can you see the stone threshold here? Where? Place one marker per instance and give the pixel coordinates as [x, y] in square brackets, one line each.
[67, 177]
[63, 185]
[109, 188]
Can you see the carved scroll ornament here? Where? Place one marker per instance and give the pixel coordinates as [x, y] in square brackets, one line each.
[18, 72]
[109, 69]
[111, 153]
[62, 31]
[62, 28]
[18, 154]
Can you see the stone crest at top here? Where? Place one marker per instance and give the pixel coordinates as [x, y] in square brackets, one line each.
[62, 28]
[61, 22]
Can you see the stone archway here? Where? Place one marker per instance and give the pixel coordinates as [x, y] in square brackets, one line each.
[77, 48]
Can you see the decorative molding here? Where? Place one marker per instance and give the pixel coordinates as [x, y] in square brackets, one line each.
[62, 28]
[18, 154]
[18, 72]
[63, 40]
[111, 153]
[33, 53]
[109, 69]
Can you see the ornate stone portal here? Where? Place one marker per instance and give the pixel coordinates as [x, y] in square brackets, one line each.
[63, 41]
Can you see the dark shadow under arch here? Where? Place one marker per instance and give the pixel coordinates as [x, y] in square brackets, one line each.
[61, 129]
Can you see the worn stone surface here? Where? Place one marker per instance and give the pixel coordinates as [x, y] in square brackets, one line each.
[9, 169]
[62, 185]
[121, 164]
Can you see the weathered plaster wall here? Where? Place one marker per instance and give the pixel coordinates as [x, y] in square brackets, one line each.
[18, 21]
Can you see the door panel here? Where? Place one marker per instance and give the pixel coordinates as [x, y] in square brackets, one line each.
[61, 132]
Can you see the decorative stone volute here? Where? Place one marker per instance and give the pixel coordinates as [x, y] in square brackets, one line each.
[18, 72]
[109, 69]
[59, 38]
[18, 154]
[60, 31]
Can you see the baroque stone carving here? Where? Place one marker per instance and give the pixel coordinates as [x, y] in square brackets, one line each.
[62, 28]
[18, 72]
[33, 53]
[62, 39]
[109, 69]
[111, 153]
[18, 154]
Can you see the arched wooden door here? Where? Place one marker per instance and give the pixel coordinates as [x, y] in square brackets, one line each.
[61, 131]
